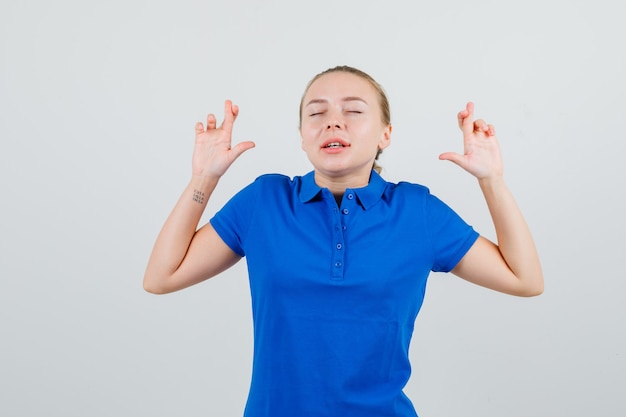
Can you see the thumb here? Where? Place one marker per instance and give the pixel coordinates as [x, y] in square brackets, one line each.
[452, 157]
[241, 147]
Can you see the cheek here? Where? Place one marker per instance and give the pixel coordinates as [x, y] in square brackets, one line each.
[371, 132]
[305, 139]
[311, 125]
[307, 133]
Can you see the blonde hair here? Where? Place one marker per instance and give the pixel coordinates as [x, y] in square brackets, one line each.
[383, 101]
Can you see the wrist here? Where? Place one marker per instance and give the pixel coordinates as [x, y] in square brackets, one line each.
[203, 185]
[492, 182]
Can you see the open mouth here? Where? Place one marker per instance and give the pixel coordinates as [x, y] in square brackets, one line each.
[334, 145]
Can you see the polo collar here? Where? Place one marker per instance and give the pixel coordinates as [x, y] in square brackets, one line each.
[367, 196]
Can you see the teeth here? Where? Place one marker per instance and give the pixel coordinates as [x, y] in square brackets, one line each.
[334, 145]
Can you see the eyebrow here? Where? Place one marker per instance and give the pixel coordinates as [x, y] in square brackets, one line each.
[345, 99]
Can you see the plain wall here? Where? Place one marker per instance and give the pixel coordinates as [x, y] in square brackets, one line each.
[98, 102]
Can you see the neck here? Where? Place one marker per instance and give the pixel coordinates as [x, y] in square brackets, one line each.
[337, 185]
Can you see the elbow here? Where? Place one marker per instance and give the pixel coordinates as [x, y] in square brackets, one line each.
[152, 289]
[533, 290]
[152, 286]
[539, 290]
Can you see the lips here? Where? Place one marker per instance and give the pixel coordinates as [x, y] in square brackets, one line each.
[335, 143]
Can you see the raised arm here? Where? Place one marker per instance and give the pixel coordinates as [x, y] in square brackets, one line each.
[184, 255]
[512, 265]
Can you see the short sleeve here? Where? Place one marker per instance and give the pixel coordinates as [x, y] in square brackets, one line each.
[232, 222]
[451, 236]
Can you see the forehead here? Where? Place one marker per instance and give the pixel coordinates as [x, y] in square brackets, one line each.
[336, 85]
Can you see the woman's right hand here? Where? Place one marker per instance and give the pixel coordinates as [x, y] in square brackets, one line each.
[213, 153]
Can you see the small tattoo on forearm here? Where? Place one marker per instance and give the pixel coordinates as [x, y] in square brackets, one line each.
[198, 196]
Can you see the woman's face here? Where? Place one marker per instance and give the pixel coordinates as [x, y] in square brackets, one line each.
[342, 128]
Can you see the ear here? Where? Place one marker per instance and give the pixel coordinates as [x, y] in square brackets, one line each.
[385, 140]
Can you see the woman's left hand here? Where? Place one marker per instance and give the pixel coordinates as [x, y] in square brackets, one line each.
[481, 155]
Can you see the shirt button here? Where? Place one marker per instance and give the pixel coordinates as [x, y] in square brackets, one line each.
[339, 246]
[344, 227]
[337, 264]
[345, 211]
[350, 196]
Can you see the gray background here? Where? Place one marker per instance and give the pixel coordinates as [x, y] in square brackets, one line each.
[98, 102]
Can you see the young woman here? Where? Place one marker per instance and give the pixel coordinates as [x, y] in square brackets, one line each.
[338, 258]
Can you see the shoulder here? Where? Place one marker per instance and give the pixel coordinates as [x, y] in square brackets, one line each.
[267, 190]
[408, 190]
[273, 187]
[410, 187]
[409, 194]
[275, 182]
[273, 179]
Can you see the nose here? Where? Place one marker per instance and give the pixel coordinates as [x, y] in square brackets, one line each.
[334, 119]
[334, 122]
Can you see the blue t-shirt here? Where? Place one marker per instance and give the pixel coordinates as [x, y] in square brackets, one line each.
[336, 290]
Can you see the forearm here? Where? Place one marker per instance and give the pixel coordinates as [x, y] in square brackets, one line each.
[178, 231]
[515, 241]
